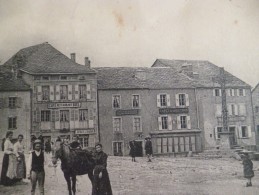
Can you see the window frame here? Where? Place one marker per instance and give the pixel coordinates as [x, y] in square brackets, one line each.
[14, 122]
[84, 95]
[186, 125]
[164, 122]
[86, 115]
[136, 95]
[12, 102]
[61, 92]
[43, 94]
[165, 99]
[44, 116]
[182, 100]
[120, 124]
[119, 103]
[140, 124]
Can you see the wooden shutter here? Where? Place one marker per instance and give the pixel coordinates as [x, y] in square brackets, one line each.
[69, 92]
[178, 120]
[236, 109]
[76, 118]
[244, 92]
[187, 99]
[170, 124]
[218, 110]
[242, 109]
[238, 94]
[51, 93]
[76, 92]
[57, 92]
[19, 102]
[214, 92]
[249, 131]
[53, 115]
[72, 119]
[240, 132]
[34, 116]
[188, 122]
[228, 92]
[168, 99]
[159, 123]
[216, 132]
[38, 119]
[39, 93]
[220, 93]
[158, 101]
[57, 120]
[91, 123]
[177, 100]
[229, 109]
[88, 91]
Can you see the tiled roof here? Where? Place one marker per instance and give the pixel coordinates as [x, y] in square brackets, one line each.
[205, 70]
[45, 59]
[141, 78]
[8, 83]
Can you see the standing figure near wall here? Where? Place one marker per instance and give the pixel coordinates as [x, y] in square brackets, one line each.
[148, 148]
[133, 148]
[19, 152]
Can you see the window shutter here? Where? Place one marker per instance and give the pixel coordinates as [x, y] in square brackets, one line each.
[76, 118]
[188, 122]
[168, 99]
[228, 92]
[236, 109]
[214, 92]
[91, 123]
[229, 109]
[249, 131]
[34, 116]
[218, 110]
[158, 100]
[69, 92]
[187, 99]
[238, 94]
[57, 92]
[51, 93]
[19, 102]
[57, 120]
[216, 132]
[244, 92]
[170, 124]
[242, 109]
[220, 93]
[88, 91]
[76, 92]
[38, 116]
[91, 141]
[177, 100]
[53, 115]
[159, 123]
[240, 132]
[178, 120]
[39, 93]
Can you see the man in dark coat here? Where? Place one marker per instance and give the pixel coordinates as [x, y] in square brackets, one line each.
[133, 148]
[248, 168]
[148, 148]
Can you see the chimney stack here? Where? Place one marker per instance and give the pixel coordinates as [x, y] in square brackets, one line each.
[87, 62]
[73, 57]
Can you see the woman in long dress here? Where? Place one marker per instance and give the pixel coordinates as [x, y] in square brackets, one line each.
[19, 152]
[8, 173]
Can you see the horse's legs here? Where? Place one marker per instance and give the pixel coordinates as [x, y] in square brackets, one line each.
[67, 177]
[74, 184]
[91, 177]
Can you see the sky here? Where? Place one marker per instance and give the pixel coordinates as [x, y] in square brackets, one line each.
[133, 33]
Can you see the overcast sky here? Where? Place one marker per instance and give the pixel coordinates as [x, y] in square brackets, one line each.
[136, 33]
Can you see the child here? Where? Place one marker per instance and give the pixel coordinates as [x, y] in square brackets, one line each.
[35, 169]
[248, 168]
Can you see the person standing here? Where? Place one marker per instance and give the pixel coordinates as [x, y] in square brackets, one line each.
[148, 148]
[19, 152]
[35, 168]
[101, 183]
[8, 173]
[47, 146]
[75, 144]
[133, 149]
[248, 168]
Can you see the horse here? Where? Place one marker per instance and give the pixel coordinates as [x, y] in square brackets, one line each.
[73, 162]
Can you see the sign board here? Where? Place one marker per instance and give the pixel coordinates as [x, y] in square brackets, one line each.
[173, 110]
[127, 112]
[64, 105]
[84, 131]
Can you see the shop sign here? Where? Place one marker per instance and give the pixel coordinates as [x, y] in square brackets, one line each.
[127, 112]
[85, 131]
[173, 110]
[64, 105]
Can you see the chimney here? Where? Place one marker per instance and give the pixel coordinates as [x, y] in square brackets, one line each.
[87, 62]
[73, 57]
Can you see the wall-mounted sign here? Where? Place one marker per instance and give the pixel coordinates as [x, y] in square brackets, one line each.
[64, 105]
[85, 131]
[127, 112]
[173, 110]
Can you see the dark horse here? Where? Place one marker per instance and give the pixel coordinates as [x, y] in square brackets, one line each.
[73, 162]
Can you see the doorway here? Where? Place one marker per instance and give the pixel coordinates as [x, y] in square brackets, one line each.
[232, 136]
[139, 148]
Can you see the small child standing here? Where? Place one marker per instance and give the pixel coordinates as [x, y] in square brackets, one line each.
[248, 168]
[35, 169]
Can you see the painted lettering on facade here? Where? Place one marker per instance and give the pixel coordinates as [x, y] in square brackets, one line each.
[64, 105]
[173, 110]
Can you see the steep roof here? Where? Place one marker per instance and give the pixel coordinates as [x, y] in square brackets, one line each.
[256, 87]
[8, 83]
[45, 59]
[205, 71]
[141, 78]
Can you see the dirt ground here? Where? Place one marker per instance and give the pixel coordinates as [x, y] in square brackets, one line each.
[185, 176]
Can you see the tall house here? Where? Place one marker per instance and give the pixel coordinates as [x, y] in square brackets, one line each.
[209, 101]
[139, 102]
[15, 107]
[255, 95]
[63, 101]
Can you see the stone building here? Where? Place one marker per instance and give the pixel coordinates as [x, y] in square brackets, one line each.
[15, 107]
[63, 101]
[255, 95]
[137, 102]
[209, 100]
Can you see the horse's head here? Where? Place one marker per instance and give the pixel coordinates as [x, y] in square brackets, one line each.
[56, 152]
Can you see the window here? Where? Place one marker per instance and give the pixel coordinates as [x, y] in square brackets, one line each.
[116, 101]
[63, 92]
[183, 120]
[84, 140]
[182, 100]
[241, 92]
[244, 131]
[137, 124]
[45, 92]
[116, 124]
[12, 122]
[83, 115]
[117, 148]
[45, 115]
[164, 120]
[64, 115]
[232, 109]
[163, 100]
[217, 92]
[12, 102]
[135, 101]
[218, 130]
[82, 91]
[63, 77]
[45, 77]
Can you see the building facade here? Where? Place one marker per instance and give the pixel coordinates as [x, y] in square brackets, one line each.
[255, 95]
[136, 103]
[209, 102]
[63, 93]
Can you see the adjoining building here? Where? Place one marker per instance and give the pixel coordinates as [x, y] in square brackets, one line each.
[137, 102]
[15, 106]
[209, 100]
[64, 93]
[255, 95]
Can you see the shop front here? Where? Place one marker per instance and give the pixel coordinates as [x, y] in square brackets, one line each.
[86, 137]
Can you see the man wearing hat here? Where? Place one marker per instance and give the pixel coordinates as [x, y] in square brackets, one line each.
[148, 148]
[35, 167]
